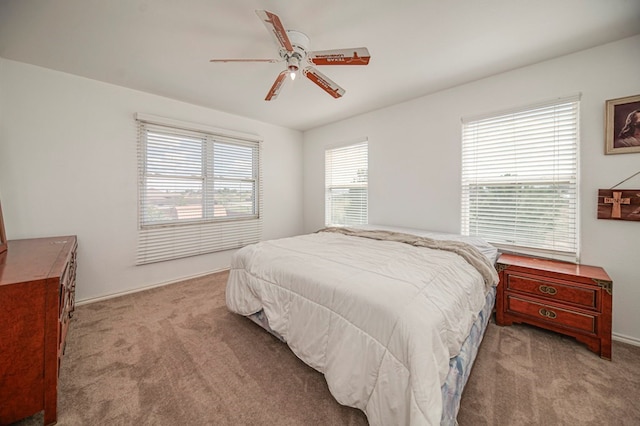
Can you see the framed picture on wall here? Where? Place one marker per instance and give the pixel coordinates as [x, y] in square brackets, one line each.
[622, 125]
[3, 235]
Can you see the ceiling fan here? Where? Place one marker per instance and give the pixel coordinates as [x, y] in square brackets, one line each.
[293, 48]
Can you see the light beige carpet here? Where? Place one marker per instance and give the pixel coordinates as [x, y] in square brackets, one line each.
[176, 356]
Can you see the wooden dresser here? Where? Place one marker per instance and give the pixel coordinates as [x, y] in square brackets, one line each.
[37, 287]
[563, 297]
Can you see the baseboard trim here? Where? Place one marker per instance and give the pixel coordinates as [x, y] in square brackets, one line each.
[625, 339]
[149, 287]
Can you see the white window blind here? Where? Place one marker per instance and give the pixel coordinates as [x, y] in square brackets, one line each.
[346, 184]
[520, 179]
[199, 190]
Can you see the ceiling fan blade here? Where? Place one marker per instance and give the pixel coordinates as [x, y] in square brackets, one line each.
[356, 56]
[276, 29]
[324, 82]
[277, 85]
[245, 60]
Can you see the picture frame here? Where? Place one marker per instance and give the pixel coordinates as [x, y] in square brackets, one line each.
[622, 125]
[3, 234]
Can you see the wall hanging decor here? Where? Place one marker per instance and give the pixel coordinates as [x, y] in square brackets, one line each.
[619, 204]
[622, 125]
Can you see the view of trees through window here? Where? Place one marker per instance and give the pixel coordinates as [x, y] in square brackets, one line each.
[544, 208]
[349, 203]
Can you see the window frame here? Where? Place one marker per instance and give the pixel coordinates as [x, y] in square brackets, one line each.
[341, 169]
[553, 170]
[204, 232]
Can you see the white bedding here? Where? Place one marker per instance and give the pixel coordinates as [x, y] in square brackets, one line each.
[379, 319]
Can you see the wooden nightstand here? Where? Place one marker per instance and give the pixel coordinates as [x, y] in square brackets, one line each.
[563, 297]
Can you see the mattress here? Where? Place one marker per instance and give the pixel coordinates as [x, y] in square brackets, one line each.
[381, 315]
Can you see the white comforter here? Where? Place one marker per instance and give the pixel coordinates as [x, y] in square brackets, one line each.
[379, 319]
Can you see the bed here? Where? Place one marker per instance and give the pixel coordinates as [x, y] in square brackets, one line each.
[392, 317]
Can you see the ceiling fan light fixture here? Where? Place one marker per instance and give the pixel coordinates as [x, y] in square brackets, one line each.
[293, 48]
[293, 63]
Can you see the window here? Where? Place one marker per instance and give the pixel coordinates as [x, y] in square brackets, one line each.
[346, 187]
[519, 179]
[199, 189]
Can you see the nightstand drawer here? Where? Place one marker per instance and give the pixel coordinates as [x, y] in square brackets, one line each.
[552, 314]
[580, 296]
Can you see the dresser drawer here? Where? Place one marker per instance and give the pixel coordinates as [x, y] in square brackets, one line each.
[68, 277]
[580, 296]
[552, 314]
[68, 285]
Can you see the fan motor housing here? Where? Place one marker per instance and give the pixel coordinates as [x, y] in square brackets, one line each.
[300, 43]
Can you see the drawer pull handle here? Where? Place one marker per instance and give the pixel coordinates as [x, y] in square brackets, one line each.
[547, 313]
[547, 289]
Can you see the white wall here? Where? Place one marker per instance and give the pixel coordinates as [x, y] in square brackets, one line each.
[68, 165]
[414, 158]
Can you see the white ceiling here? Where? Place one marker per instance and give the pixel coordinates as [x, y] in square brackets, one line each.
[417, 46]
